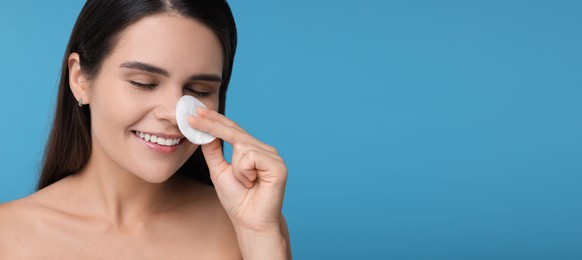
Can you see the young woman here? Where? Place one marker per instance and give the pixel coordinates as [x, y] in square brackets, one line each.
[108, 192]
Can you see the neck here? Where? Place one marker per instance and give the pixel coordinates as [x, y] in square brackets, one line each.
[119, 196]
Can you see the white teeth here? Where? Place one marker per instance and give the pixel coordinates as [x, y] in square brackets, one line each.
[158, 140]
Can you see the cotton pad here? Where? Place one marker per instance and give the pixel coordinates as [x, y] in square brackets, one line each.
[184, 109]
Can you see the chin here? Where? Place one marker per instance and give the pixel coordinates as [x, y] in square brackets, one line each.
[155, 176]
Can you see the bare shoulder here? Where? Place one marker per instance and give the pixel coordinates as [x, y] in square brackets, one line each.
[23, 222]
[7, 219]
[16, 221]
[14, 213]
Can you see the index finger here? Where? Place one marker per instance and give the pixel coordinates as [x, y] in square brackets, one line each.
[217, 129]
[214, 115]
[221, 127]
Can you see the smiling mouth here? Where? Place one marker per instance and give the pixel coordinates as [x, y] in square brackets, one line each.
[158, 140]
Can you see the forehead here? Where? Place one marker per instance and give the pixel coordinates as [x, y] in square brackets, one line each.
[179, 44]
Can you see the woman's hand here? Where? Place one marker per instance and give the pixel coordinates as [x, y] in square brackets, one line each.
[251, 188]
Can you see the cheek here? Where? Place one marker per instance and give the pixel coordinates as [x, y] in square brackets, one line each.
[213, 103]
[210, 102]
[113, 107]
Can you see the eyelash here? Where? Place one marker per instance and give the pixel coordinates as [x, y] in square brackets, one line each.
[141, 85]
[152, 86]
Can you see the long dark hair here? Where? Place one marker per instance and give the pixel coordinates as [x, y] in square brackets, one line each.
[93, 38]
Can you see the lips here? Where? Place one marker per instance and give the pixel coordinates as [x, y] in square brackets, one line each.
[158, 139]
[159, 142]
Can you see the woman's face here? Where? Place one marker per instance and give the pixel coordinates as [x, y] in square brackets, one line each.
[154, 62]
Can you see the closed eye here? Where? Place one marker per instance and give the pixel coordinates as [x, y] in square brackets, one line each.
[142, 85]
[152, 86]
[199, 93]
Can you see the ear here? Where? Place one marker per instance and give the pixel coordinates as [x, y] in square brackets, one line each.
[77, 80]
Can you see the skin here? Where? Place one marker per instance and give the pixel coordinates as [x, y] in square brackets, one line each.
[127, 203]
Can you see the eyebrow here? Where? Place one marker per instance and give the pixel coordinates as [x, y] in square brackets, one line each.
[137, 65]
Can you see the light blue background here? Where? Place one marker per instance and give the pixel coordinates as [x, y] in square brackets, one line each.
[411, 129]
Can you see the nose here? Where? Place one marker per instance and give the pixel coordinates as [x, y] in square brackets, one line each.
[166, 105]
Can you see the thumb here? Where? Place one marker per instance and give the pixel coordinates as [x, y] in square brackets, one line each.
[214, 158]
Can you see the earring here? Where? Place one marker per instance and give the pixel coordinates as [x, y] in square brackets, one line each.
[80, 102]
